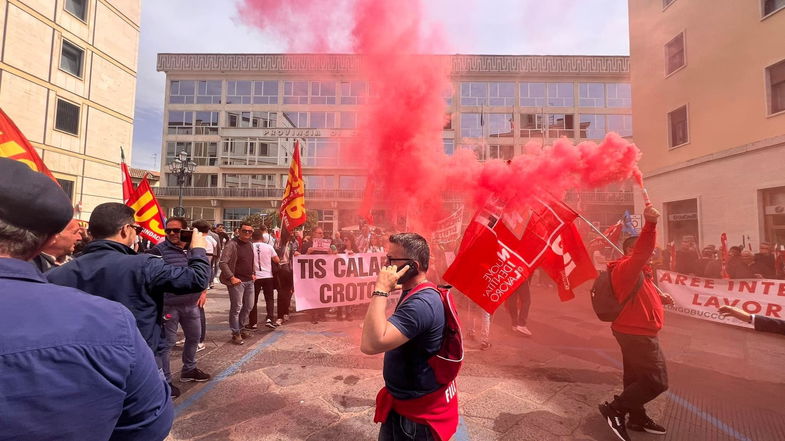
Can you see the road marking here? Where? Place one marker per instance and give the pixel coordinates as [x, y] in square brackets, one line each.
[462, 434]
[268, 340]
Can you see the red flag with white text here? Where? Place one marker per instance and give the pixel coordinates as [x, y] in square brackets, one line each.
[568, 263]
[503, 245]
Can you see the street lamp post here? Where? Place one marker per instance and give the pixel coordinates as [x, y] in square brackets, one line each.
[182, 168]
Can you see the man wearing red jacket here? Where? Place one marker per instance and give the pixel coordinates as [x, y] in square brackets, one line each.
[636, 328]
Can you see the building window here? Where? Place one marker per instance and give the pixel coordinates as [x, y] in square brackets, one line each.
[351, 182]
[205, 153]
[772, 6]
[592, 94]
[233, 216]
[533, 94]
[592, 127]
[180, 123]
[472, 125]
[295, 92]
[206, 123]
[618, 95]
[182, 92]
[319, 182]
[262, 120]
[532, 125]
[78, 8]
[501, 94]
[678, 127]
[674, 54]
[504, 152]
[474, 94]
[249, 181]
[323, 120]
[483, 94]
[296, 120]
[208, 92]
[71, 57]
[776, 78]
[68, 187]
[499, 125]
[239, 92]
[449, 146]
[174, 148]
[323, 92]
[480, 152]
[561, 95]
[447, 121]
[447, 95]
[67, 117]
[265, 92]
[203, 180]
[354, 92]
[561, 125]
[348, 120]
[249, 151]
[621, 124]
[321, 152]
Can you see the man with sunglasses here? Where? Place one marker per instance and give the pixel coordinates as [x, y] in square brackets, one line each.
[237, 273]
[110, 268]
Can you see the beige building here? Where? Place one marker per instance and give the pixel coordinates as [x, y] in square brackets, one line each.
[238, 116]
[68, 80]
[708, 88]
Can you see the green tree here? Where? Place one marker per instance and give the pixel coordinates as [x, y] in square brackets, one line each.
[270, 219]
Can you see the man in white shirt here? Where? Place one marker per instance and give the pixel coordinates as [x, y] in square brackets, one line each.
[263, 256]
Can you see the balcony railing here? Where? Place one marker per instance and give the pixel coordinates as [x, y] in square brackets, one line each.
[253, 193]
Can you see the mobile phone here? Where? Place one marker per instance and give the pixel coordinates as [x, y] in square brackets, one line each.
[186, 235]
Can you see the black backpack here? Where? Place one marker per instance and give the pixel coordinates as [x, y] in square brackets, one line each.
[603, 299]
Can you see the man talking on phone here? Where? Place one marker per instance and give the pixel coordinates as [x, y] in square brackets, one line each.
[408, 338]
[110, 268]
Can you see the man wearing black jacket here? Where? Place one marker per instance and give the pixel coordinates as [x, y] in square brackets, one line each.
[761, 322]
[182, 310]
[110, 268]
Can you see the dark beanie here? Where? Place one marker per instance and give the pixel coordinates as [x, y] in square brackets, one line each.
[32, 201]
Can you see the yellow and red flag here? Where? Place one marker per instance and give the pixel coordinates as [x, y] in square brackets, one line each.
[292, 209]
[147, 212]
[14, 145]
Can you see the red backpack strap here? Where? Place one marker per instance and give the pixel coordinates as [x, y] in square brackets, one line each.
[418, 288]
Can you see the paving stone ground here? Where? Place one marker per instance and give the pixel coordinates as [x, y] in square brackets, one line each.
[310, 382]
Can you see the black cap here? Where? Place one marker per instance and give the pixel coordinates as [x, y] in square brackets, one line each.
[31, 200]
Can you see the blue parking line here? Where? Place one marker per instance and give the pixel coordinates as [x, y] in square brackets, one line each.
[262, 345]
[462, 434]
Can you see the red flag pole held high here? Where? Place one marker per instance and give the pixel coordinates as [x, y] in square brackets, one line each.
[128, 185]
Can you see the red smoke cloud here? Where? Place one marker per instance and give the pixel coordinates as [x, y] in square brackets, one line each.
[400, 129]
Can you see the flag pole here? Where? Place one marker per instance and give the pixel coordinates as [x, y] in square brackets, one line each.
[597, 230]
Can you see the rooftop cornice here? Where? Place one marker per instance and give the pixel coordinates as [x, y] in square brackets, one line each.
[348, 63]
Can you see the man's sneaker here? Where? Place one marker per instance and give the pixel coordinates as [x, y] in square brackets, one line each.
[484, 346]
[175, 390]
[615, 421]
[648, 425]
[278, 322]
[269, 323]
[194, 375]
[251, 327]
[237, 339]
[200, 347]
[180, 342]
[523, 330]
[244, 333]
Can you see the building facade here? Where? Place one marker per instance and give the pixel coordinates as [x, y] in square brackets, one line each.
[68, 80]
[708, 87]
[238, 116]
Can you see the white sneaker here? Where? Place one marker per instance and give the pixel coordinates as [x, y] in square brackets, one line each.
[200, 347]
[180, 342]
[278, 322]
[523, 330]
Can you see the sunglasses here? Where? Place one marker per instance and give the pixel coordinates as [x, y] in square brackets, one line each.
[246, 231]
[173, 230]
[137, 228]
[393, 259]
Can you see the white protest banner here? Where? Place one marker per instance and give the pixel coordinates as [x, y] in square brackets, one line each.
[325, 281]
[321, 244]
[700, 297]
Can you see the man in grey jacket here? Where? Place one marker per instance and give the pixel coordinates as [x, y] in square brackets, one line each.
[237, 274]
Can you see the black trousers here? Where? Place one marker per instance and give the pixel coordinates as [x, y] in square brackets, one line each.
[518, 304]
[267, 286]
[645, 373]
[285, 289]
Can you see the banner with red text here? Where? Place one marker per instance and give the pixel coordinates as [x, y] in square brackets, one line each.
[700, 297]
[328, 280]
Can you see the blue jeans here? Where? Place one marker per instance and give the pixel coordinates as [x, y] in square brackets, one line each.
[186, 316]
[398, 428]
[240, 304]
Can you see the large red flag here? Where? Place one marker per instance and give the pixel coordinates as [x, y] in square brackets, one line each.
[14, 145]
[503, 245]
[613, 233]
[292, 209]
[128, 185]
[147, 212]
[568, 263]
